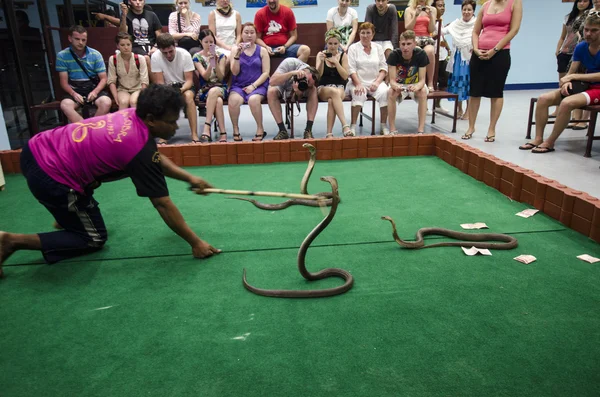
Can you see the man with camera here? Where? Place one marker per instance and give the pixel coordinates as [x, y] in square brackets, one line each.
[407, 67]
[576, 89]
[173, 66]
[277, 32]
[292, 81]
[82, 76]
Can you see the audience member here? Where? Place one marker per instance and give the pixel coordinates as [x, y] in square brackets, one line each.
[226, 25]
[461, 32]
[82, 76]
[127, 73]
[420, 16]
[384, 18]
[65, 165]
[497, 23]
[407, 69]
[577, 89]
[345, 20]
[292, 81]
[368, 70]
[443, 55]
[250, 65]
[277, 32]
[143, 25]
[332, 66]
[184, 26]
[212, 88]
[173, 66]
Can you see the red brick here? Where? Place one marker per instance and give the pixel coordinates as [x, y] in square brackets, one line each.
[595, 233]
[350, 153]
[552, 210]
[580, 225]
[259, 147]
[438, 151]
[375, 142]
[336, 154]
[323, 155]
[374, 152]
[165, 150]
[426, 140]
[527, 197]
[191, 161]
[258, 158]
[400, 151]
[285, 157]
[337, 144]
[388, 152]
[245, 148]
[413, 145]
[217, 149]
[506, 187]
[245, 158]
[218, 159]
[231, 148]
[284, 147]
[473, 171]
[272, 157]
[388, 141]
[190, 150]
[400, 141]
[363, 143]
[7, 166]
[296, 144]
[271, 146]
[299, 156]
[540, 194]
[582, 206]
[555, 193]
[349, 143]
[230, 160]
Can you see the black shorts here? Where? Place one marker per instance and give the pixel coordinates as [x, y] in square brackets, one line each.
[84, 88]
[562, 60]
[443, 75]
[488, 77]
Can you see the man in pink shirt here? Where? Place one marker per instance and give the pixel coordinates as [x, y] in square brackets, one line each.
[63, 166]
[276, 30]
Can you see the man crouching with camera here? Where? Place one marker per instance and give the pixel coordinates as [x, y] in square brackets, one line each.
[172, 65]
[293, 80]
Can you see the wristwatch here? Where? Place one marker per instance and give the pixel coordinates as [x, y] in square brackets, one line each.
[496, 50]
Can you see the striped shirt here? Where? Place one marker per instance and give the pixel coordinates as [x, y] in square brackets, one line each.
[92, 60]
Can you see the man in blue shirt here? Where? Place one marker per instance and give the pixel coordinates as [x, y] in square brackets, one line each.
[576, 89]
[82, 76]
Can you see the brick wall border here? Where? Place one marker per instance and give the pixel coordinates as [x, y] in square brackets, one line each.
[574, 209]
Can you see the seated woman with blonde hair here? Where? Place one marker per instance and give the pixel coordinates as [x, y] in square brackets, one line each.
[184, 26]
[127, 73]
[420, 16]
[333, 71]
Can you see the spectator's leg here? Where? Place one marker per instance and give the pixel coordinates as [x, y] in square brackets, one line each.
[303, 53]
[381, 96]
[545, 101]
[274, 101]
[430, 51]
[149, 66]
[190, 110]
[69, 108]
[495, 111]
[421, 98]
[234, 103]
[133, 98]
[124, 99]
[474, 104]
[255, 103]
[219, 114]
[391, 106]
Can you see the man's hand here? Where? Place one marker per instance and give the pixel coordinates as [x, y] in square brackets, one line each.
[412, 88]
[280, 49]
[99, 16]
[270, 51]
[564, 89]
[202, 249]
[78, 98]
[566, 79]
[124, 9]
[198, 185]
[92, 97]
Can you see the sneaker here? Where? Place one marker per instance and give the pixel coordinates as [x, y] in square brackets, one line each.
[281, 135]
[385, 131]
[442, 110]
[429, 112]
[308, 134]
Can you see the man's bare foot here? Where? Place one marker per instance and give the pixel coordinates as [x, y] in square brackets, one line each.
[6, 249]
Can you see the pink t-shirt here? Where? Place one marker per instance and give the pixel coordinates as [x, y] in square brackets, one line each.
[275, 28]
[422, 26]
[105, 147]
[495, 27]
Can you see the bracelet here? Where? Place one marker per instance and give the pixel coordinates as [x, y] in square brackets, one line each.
[236, 58]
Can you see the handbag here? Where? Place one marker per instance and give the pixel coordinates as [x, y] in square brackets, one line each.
[186, 42]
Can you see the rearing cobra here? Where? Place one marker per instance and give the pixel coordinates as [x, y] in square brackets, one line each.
[472, 240]
[303, 189]
[325, 273]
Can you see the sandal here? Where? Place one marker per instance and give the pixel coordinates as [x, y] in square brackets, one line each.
[578, 127]
[329, 135]
[196, 141]
[542, 150]
[222, 137]
[258, 138]
[162, 142]
[204, 138]
[467, 136]
[527, 146]
[490, 138]
[237, 137]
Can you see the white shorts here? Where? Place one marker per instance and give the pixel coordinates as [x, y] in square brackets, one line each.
[380, 94]
[387, 45]
[404, 94]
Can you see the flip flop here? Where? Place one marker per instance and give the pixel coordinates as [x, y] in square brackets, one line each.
[579, 127]
[527, 146]
[258, 138]
[542, 150]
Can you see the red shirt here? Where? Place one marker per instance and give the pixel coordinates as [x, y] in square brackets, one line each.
[275, 28]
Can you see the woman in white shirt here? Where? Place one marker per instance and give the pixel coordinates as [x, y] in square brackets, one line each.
[184, 26]
[345, 20]
[368, 69]
[226, 25]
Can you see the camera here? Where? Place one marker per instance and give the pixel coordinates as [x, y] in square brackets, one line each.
[328, 54]
[424, 8]
[176, 84]
[302, 83]
[246, 45]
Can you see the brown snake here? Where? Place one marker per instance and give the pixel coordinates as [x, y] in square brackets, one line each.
[473, 240]
[325, 273]
[303, 189]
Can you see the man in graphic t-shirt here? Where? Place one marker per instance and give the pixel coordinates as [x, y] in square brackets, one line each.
[407, 67]
[276, 31]
[143, 25]
[63, 166]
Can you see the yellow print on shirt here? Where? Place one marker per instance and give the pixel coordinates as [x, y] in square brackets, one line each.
[126, 127]
[80, 132]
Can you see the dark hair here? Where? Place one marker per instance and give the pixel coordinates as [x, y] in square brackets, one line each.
[165, 40]
[207, 32]
[472, 3]
[22, 15]
[123, 36]
[77, 28]
[315, 74]
[246, 24]
[158, 100]
[575, 11]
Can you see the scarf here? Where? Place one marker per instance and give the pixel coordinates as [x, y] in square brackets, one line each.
[333, 32]
[225, 11]
[462, 39]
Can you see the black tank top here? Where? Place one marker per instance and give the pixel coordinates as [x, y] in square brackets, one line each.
[331, 76]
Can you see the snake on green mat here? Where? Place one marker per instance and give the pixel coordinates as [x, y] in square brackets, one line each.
[303, 189]
[478, 240]
[325, 273]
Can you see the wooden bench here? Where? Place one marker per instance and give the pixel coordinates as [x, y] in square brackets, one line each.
[591, 130]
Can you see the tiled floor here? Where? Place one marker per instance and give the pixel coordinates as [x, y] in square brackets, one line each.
[566, 165]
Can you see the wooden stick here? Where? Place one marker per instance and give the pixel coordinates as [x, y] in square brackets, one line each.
[267, 194]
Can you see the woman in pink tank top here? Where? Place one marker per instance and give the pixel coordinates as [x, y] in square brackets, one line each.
[497, 24]
[420, 16]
